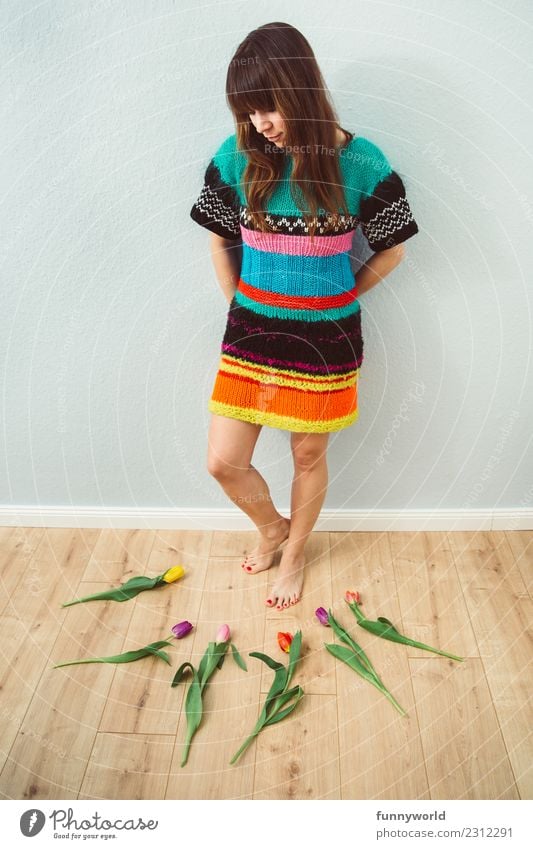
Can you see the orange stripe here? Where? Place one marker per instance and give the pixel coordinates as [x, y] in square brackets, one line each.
[283, 400]
[294, 301]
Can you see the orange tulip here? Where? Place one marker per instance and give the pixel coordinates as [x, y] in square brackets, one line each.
[284, 641]
[351, 597]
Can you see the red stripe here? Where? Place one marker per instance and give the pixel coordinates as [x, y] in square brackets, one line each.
[296, 302]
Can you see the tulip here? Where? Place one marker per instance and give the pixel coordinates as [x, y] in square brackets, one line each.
[383, 627]
[212, 660]
[284, 641]
[181, 629]
[135, 585]
[223, 634]
[173, 574]
[322, 616]
[281, 699]
[350, 597]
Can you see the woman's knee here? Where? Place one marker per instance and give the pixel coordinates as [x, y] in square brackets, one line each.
[309, 450]
[222, 468]
[231, 445]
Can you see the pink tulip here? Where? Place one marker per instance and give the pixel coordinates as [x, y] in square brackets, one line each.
[223, 634]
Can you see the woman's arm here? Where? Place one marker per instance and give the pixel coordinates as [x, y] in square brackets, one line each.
[377, 267]
[226, 256]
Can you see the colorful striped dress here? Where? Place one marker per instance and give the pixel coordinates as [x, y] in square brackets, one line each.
[292, 347]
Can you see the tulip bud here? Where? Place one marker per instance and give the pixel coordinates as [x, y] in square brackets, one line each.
[322, 616]
[181, 629]
[223, 634]
[284, 641]
[351, 597]
[173, 574]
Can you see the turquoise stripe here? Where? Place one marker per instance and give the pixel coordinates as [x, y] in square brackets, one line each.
[298, 314]
[301, 276]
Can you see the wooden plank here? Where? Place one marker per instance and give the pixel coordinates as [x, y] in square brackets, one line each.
[380, 751]
[128, 766]
[17, 548]
[231, 700]
[50, 753]
[429, 591]
[501, 613]
[464, 749]
[119, 554]
[139, 703]
[298, 758]
[34, 617]
[521, 544]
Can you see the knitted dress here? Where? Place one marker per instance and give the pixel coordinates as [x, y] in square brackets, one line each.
[292, 347]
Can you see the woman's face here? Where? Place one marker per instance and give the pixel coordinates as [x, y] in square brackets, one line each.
[269, 124]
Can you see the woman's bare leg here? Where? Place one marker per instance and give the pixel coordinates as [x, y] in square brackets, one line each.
[308, 492]
[231, 446]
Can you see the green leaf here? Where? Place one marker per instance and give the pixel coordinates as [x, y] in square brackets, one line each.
[178, 677]
[210, 662]
[277, 696]
[277, 717]
[278, 686]
[387, 621]
[266, 659]
[348, 656]
[351, 659]
[389, 632]
[193, 710]
[283, 698]
[294, 655]
[126, 591]
[346, 638]
[126, 657]
[238, 658]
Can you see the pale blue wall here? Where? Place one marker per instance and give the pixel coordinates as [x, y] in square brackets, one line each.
[111, 314]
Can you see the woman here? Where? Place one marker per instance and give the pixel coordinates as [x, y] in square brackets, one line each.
[293, 186]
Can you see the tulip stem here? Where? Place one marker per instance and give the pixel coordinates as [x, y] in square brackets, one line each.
[244, 746]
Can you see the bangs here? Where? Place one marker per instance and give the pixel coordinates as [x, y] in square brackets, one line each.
[249, 86]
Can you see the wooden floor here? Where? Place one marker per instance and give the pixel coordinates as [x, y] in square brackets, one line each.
[99, 731]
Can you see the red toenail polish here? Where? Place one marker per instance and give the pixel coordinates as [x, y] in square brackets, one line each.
[249, 568]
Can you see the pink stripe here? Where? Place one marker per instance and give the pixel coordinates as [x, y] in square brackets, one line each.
[283, 243]
[248, 355]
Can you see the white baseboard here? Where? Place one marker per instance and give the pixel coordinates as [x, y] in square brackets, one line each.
[234, 519]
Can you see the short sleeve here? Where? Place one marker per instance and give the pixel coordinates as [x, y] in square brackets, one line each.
[385, 215]
[218, 206]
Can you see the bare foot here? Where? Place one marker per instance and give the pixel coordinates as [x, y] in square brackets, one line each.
[263, 554]
[287, 588]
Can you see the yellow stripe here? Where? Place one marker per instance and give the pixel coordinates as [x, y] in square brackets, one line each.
[283, 422]
[272, 375]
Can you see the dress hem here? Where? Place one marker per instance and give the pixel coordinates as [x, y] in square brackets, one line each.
[281, 422]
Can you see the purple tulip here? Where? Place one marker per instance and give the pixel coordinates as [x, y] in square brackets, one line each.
[181, 629]
[322, 616]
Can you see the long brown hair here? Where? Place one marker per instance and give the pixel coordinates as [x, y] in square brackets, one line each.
[275, 69]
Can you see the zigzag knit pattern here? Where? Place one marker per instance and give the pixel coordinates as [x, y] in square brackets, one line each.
[292, 349]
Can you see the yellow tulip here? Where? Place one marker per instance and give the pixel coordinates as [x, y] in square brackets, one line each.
[173, 574]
